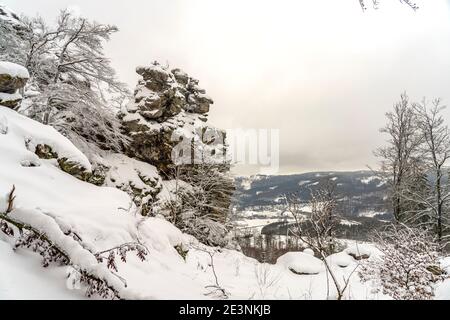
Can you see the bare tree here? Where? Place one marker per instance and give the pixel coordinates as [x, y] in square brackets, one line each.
[78, 87]
[409, 267]
[319, 227]
[41, 40]
[435, 153]
[400, 158]
[317, 230]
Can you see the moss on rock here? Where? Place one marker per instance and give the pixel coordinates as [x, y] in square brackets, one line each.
[44, 151]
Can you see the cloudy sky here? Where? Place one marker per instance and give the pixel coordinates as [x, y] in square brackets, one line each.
[323, 72]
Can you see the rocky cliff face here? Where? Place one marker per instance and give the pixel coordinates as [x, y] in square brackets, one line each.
[169, 110]
[167, 107]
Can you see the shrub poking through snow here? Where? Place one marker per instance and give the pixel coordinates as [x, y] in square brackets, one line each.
[181, 251]
[121, 251]
[215, 289]
[319, 231]
[409, 267]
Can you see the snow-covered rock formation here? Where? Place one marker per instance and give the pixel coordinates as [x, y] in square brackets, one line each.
[13, 77]
[166, 124]
[168, 106]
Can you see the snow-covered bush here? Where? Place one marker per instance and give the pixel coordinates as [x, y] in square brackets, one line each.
[318, 229]
[202, 209]
[408, 268]
[139, 179]
[72, 85]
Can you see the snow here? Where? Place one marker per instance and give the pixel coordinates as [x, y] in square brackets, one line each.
[246, 183]
[9, 16]
[125, 172]
[443, 290]
[340, 259]
[368, 180]
[370, 213]
[22, 277]
[26, 134]
[346, 222]
[14, 70]
[103, 217]
[301, 263]
[359, 250]
[10, 96]
[257, 224]
[170, 188]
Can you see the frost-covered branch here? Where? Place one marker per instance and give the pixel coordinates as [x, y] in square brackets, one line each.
[376, 3]
[410, 265]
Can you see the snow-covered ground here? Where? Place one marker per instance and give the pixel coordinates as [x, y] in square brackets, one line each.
[370, 213]
[103, 217]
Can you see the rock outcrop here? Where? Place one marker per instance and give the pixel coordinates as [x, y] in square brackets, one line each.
[167, 107]
[166, 125]
[13, 77]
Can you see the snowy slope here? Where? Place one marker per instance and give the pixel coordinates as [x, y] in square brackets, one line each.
[103, 217]
[22, 277]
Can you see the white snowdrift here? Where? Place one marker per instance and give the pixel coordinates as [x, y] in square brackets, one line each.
[24, 134]
[13, 70]
[340, 259]
[22, 277]
[128, 175]
[5, 97]
[360, 251]
[104, 217]
[301, 263]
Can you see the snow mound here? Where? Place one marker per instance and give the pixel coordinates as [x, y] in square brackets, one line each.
[340, 259]
[5, 97]
[309, 251]
[359, 251]
[132, 176]
[301, 263]
[13, 70]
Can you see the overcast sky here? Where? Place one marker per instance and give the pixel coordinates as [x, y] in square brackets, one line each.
[323, 72]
